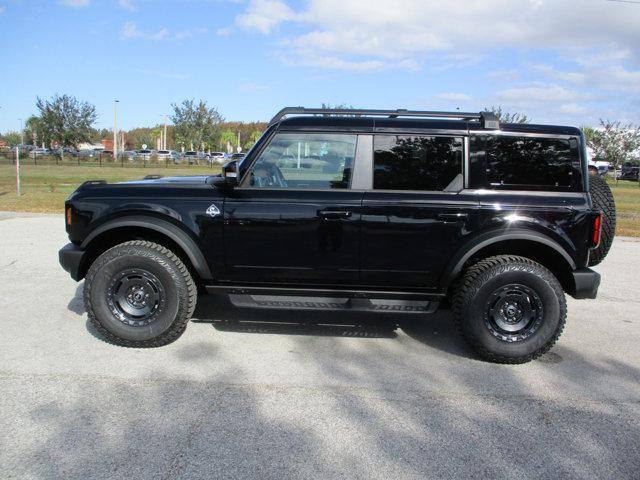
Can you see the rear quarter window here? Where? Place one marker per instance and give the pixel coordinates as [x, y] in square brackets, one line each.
[525, 163]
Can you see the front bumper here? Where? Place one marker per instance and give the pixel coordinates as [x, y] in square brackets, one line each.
[70, 257]
[585, 283]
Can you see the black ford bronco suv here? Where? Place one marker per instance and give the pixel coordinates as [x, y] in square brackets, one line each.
[375, 210]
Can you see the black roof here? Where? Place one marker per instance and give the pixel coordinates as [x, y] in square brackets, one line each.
[376, 124]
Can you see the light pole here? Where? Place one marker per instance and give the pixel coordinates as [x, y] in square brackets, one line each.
[164, 137]
[115, 129]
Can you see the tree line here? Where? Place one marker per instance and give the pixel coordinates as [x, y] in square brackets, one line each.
[65, 121]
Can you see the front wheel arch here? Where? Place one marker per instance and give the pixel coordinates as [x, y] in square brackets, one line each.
[151, 229]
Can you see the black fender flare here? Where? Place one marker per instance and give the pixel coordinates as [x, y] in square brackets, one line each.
[168, 229]
[476, 244]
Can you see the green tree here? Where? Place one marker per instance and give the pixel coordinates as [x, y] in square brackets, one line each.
[34, 131]
[66, 120]
[506, 117]
[613, 142]
[11, 138]
[227, 136]
[196, 124]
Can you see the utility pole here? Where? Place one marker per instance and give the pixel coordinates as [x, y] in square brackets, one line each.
[18, 169]
[115, 129]
[164, 138]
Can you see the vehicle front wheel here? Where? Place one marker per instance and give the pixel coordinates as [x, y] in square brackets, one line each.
[510, 309]
[139, 294]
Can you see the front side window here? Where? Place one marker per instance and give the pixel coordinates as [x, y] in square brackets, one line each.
[304, 160]
[417, 163]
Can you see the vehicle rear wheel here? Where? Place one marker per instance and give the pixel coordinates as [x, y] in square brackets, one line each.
[603, 199]
[139, 294]
[509, 309]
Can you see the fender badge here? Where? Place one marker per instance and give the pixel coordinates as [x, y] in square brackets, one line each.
[212, 211]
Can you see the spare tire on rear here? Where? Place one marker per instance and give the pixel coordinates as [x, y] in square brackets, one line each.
[603, 199]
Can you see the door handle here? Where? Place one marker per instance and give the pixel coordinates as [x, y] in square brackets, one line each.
[334, 214]
[453, 217]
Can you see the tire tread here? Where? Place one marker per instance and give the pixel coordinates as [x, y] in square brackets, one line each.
[184, 284]
[475, 276]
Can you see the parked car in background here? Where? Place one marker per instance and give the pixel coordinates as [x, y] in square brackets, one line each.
[144, 154]
[190, 156]
[176, 157]
[39, 152]
[130, 154]
[599, 167]
[106, 153]
[88, 154]
[164, 154]
[629, 171]
[24, 148]
[217, 157]
[64, 152]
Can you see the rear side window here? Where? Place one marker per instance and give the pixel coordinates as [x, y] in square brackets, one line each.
[417, 163]
[537, 163]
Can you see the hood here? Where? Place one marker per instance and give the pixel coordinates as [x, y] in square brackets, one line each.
[183, 180]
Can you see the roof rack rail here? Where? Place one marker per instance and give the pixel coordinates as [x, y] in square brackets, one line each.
[487, 119]
[92, 182]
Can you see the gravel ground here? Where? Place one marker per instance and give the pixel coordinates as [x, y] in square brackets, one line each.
[239, 396]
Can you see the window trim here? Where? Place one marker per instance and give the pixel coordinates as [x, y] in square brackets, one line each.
[465, 141]
[245, 177]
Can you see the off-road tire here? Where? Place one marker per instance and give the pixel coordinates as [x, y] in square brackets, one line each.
[177, 285]
[474, 290]
[603, 199]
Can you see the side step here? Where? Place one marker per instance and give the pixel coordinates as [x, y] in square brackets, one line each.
[281, 302]
[328, 299]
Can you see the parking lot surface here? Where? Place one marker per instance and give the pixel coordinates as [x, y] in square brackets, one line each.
[282, 394]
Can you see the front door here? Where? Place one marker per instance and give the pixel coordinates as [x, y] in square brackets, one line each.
[294, 219]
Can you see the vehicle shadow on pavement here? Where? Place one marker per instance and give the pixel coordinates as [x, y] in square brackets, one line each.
[435, 331]
[218, 310]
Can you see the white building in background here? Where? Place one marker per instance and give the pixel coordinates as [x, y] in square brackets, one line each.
[90, 146]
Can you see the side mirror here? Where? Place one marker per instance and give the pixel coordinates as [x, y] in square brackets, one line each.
[230, 173]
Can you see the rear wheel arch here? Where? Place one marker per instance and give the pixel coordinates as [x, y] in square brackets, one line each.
[534, 246]
[151, 229]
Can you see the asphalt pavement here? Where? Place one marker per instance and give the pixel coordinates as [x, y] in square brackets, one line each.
[283, 394]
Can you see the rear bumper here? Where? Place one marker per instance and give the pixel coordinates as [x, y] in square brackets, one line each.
[70, 257]
[585, 283]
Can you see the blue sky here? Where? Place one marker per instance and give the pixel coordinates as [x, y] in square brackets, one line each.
[559, 61]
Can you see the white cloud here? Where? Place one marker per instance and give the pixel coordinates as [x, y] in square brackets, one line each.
[540, 93]
[127, 5]
[224, 31]
[265, 15]
[130, 30]
[75, 3]
[552, 72]
[365, 31]
[454, 97]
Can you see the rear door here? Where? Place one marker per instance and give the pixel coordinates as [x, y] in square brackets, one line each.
[294, 218]
[417, 213]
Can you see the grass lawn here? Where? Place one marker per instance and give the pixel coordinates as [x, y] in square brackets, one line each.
[45, 187]
[627, 196]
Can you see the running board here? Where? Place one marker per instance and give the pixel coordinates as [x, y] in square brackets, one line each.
[327, 299]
